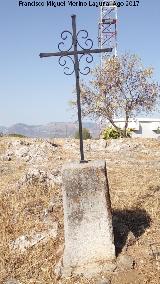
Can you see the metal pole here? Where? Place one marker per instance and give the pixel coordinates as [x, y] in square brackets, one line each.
[76, 68]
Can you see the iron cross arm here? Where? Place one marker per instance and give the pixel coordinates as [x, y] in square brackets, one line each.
[85, 51]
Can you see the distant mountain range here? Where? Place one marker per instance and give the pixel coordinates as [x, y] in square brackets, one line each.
[50, 130]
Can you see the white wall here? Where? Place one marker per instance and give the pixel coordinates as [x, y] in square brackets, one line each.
[145, 130]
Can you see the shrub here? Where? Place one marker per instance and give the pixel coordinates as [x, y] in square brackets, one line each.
[113, 133]
[85, 133]
[16, 135]
[110, 133]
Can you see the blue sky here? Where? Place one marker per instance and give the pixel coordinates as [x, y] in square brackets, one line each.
[34, 90]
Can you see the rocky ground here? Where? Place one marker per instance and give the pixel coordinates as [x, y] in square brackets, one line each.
[32, 214]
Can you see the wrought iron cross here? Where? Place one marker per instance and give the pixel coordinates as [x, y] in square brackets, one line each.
[67, 54]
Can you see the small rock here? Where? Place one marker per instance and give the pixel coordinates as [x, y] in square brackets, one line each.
[108, 267]
[58, 269]
[125, 262]
[60, 250]
[131, 239]
[24, 242]
[104, 281]
[12, 281]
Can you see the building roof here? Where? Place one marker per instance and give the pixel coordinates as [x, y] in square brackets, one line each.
[138, 119]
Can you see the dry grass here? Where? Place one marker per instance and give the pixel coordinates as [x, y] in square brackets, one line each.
[134, 178]
[22, 212]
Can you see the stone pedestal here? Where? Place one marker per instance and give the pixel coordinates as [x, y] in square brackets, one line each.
[89, 244]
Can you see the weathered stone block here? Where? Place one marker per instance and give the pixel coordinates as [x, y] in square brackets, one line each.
[87, 218]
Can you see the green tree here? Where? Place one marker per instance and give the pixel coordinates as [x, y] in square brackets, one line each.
[85, 133]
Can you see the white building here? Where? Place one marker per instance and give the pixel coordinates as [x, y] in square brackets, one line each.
[143, 127]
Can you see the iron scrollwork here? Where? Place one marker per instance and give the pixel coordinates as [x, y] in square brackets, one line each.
[63, 61]
[65, 36]
[86, 46]
[88, 42]
[88, 59]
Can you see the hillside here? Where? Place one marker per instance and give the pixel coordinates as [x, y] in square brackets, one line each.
[50, 130]
[31, 234]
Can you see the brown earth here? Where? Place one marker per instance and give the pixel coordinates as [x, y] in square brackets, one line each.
[30, 197]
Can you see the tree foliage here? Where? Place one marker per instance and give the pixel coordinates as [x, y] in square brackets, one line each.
[121, 88]
[85, 134]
